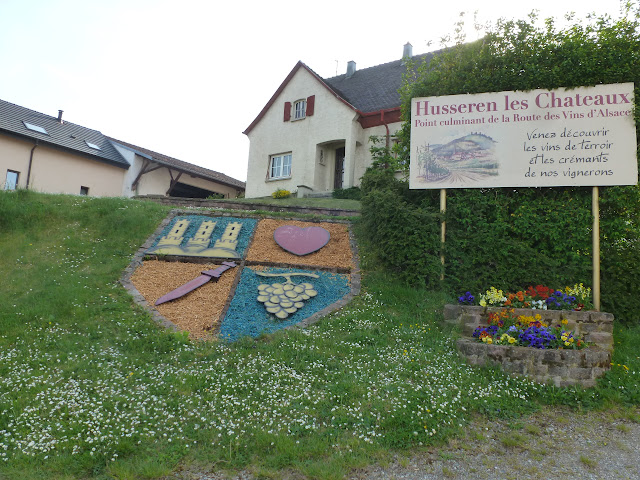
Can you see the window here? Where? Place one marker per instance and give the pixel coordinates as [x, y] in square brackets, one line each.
[92, 145]
[280, 166]
[12, 180]
[299, 109]
[84, 190]
[35, 128]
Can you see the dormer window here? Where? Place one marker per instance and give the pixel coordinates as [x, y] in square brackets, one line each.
[299, 109]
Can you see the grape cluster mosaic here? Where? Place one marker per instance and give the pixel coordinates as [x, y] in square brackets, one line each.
[283, 299]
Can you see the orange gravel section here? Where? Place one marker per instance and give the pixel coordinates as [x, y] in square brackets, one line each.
[335, 254]
[199, 311]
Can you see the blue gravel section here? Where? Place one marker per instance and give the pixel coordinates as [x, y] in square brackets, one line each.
[247, 316]
[248, 225]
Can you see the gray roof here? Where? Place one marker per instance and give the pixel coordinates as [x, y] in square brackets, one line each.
[374, 88]
[195, 170]
[65, 135]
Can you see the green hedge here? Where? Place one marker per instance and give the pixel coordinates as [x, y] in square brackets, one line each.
[514, 237]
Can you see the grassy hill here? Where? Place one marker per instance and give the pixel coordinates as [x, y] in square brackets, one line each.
[90, 387]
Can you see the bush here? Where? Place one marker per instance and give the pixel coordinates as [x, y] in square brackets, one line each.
[353, 193]
[281, 193]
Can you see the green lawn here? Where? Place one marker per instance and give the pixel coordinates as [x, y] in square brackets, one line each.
[90, 387]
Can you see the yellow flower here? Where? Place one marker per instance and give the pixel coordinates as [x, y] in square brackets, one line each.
[567, 343]
[512, 340]
[564, 321]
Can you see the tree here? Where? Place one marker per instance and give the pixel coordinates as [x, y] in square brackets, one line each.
[537, 235]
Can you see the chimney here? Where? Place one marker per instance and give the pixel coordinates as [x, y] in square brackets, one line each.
[60, 112]
[407, 51]
[351, 68]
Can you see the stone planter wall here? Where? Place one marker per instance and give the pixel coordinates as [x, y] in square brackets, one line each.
[594, 327]
[559, 367]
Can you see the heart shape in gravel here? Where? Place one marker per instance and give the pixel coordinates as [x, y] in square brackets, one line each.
[301, 241]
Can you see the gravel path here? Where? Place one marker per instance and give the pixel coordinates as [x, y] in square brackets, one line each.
[553, 443]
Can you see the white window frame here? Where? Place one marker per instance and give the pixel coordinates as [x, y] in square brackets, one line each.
[300, 109]
[12, 185]
[280, 166]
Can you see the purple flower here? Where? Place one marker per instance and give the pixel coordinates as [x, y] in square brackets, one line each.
[466, 299]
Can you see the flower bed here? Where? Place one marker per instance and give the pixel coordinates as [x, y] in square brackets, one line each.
[555, 340]
[595, 328]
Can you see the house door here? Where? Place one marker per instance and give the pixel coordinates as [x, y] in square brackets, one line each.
[339, 172]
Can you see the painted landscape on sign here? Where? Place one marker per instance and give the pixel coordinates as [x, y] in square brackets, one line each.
[463, 160]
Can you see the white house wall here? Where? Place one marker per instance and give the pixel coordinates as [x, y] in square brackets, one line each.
[135, 166]
[332, 121]
[363, 154]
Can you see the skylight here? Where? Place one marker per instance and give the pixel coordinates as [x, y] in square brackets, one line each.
[92, 145]
[35, 128]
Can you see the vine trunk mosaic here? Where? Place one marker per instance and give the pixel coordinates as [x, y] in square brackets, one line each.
[233, 276]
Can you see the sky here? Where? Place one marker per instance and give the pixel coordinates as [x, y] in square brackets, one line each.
[186, 78]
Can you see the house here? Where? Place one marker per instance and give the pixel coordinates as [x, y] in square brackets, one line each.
[313, 135]
[49, 154]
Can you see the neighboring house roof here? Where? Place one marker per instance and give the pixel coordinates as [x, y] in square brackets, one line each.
[59, 134]
[367, 91]
[179, 165]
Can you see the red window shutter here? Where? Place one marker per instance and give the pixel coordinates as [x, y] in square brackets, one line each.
[287, 111]
[311, 102]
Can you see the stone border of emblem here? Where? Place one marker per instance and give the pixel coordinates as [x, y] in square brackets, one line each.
[168, 245]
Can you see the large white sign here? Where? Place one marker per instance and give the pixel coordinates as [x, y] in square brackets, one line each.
[582, 136]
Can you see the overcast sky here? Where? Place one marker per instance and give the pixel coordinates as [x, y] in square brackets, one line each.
[185, 78]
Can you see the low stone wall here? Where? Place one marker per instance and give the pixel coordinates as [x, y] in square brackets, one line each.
[231, 205]
[593, 327]
[562, 368]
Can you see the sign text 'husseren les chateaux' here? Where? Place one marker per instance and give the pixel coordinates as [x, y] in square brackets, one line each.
[583, 136]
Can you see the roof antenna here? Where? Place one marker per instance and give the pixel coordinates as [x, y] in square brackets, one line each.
[60, 112]
[336, 68]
